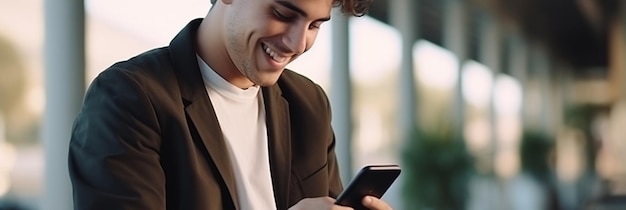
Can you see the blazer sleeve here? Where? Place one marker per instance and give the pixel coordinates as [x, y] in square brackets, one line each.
[335, 185]
[114, 147]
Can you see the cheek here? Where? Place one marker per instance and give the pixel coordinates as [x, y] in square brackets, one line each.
[271, 28]
[310, 40]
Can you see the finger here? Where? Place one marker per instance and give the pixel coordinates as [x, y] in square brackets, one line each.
[330, 199]
[375, 203]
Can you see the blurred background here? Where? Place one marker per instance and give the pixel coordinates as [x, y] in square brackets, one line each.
[486, 104]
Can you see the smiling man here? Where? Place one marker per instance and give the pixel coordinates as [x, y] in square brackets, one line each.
[214, 120]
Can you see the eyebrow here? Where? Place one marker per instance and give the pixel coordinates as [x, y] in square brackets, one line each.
[296, 9]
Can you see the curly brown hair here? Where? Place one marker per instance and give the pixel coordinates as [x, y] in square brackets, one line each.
[356, 8]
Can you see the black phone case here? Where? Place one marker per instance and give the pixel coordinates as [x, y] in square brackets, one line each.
[373, 180]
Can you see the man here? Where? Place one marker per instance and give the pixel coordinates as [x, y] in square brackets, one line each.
[214, 121]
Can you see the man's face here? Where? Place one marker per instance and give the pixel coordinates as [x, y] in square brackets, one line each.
[263, 36]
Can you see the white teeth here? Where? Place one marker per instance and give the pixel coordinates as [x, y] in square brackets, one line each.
[274, 55]
[267, 50]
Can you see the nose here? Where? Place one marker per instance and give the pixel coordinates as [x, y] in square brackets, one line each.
[296, 39]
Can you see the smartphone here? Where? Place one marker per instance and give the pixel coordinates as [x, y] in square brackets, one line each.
[373, 180]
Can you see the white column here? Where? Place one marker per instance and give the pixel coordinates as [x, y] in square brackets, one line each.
[490, 43]
[557, 83]
[540, 65]
[455, 39]
[518, 64]
[403, 17]
[341, 93]
[489, 54]
[65, 85]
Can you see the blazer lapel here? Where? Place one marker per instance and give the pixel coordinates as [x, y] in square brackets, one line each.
[279, 137]
[198, 107]
[201, 113]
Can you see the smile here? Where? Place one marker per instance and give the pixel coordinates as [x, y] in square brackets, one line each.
[275, 56]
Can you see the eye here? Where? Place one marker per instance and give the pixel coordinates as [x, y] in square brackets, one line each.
[315, 25]
[282, 16]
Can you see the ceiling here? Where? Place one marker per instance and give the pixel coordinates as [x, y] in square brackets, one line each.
[574, 31]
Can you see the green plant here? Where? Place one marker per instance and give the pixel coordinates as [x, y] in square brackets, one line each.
[535, 151]
[437, 168]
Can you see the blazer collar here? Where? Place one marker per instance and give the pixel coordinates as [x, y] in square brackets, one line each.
[199, 109]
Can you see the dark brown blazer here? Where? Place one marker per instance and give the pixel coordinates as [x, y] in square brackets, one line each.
[147, 137]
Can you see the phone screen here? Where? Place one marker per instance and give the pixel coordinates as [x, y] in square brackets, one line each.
[373, 180]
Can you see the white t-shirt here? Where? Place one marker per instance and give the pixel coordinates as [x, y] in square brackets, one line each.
[241, 115]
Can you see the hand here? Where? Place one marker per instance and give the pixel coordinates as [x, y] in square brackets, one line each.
[319, 203]
[374, 203]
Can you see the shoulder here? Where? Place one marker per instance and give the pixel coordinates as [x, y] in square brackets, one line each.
[148, 70]
[142, 65]
[148, 78]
